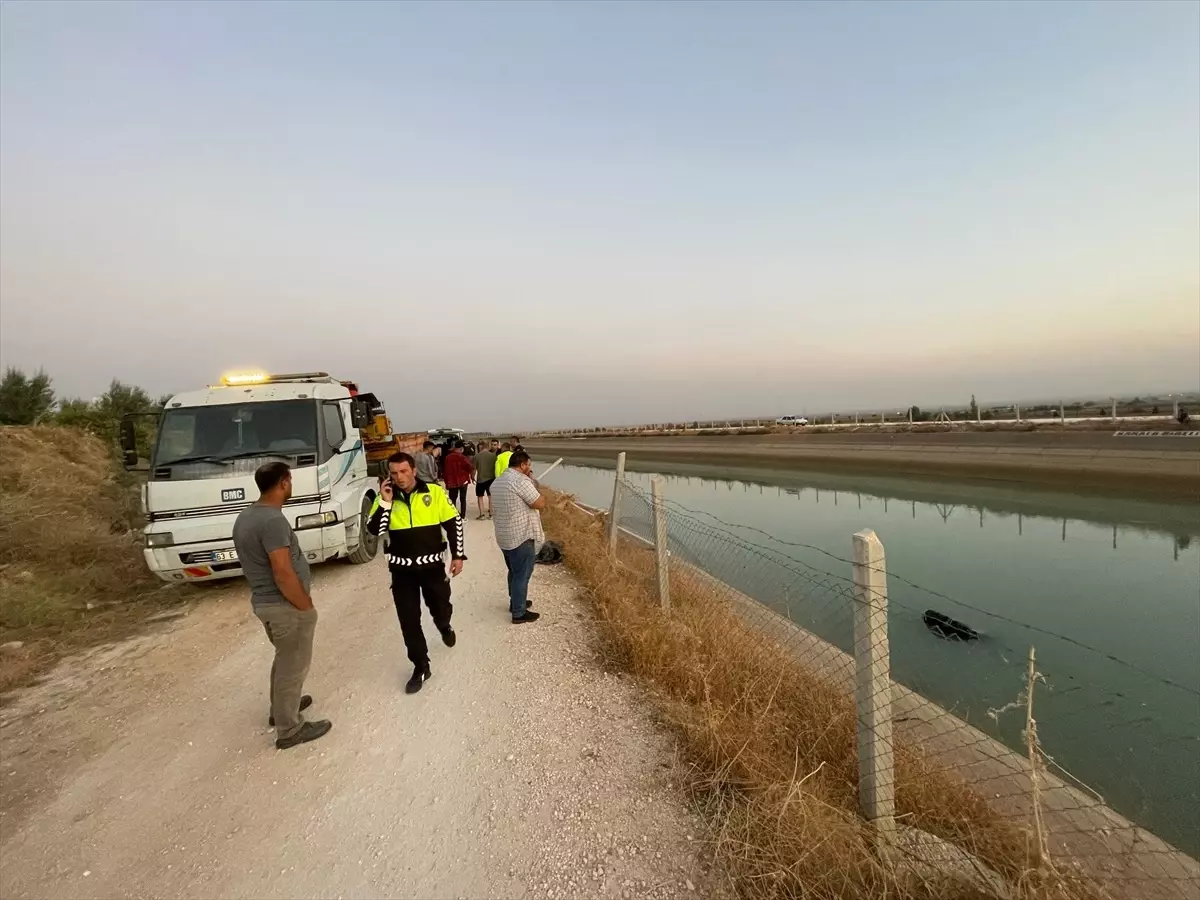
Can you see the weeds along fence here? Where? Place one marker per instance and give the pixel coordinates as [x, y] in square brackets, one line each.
[973, 786]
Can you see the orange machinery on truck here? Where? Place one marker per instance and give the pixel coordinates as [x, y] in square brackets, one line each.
[378, 440]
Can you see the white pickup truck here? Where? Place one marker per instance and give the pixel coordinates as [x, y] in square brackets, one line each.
[211, 441]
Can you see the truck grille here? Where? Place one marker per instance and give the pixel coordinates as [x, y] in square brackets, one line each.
[203, 557]
[226, 508]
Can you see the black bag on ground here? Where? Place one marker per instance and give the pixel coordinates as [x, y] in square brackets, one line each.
[551, 552]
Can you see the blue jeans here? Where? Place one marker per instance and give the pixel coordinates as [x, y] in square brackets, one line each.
[520, 564]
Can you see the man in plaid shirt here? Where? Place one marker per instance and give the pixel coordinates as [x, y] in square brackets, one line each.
[515, 505]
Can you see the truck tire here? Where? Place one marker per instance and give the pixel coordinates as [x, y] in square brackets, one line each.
[368, 544]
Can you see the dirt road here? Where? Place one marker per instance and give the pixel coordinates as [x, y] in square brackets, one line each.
[523, 769]
[1161, 466]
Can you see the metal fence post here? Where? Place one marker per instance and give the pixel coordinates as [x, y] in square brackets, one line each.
[614, 511]
[873, 686]
[660, 543]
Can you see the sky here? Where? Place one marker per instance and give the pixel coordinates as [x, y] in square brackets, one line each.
[560, 213]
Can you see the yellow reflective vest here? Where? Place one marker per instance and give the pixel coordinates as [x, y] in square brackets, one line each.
[414, 526]
[502, 462]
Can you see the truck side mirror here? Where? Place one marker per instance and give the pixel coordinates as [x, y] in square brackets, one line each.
[360, 413]
[129, 443]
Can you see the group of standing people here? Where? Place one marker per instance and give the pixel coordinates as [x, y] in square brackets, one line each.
[419, 513]
[458, 464]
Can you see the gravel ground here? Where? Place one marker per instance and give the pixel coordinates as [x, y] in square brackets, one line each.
[523, 769]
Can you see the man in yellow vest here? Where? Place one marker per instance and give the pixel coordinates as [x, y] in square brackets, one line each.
[506, 452]
[414, 513]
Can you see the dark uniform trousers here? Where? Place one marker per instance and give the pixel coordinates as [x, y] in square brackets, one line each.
[407, 587]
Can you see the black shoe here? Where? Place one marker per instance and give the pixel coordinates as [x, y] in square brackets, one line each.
[305, 703]
[309, 731]
[449, 638]
[420, 675]
[530, 616]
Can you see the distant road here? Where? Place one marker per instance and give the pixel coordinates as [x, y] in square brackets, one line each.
[1162, 465]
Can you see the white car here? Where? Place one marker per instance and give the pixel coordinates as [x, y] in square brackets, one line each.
[791, 421]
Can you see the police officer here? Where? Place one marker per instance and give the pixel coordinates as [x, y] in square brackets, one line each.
[413, 514]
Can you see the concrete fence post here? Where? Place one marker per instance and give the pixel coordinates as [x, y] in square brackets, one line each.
[614, 511]
[1017, 407]
[1114, 409]
[873, 687]
[660, 543]
[1062, 412]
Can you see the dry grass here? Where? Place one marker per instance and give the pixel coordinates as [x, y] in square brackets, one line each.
[71, 568]
[773, 746]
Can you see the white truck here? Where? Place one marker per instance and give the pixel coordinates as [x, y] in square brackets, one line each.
[211, 441]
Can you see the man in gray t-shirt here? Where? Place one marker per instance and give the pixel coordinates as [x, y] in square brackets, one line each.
[280, 583]
[427, 466]
[260, 530]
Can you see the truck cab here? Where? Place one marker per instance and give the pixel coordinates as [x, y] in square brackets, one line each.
[211, 441]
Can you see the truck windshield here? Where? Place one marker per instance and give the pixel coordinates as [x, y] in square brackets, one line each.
[236, 431]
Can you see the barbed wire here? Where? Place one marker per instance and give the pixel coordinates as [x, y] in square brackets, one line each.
[633, 488]
[808, 612]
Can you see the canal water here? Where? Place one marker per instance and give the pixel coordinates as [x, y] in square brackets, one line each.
[1107, 589]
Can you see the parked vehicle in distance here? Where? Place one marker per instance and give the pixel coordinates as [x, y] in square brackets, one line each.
[441, 435]
[791, 421]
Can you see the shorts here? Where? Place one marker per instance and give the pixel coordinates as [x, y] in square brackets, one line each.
[484, 487]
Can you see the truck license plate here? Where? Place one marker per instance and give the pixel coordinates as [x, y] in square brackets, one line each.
[224, 556]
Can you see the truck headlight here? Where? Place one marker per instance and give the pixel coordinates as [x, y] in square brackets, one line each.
[160, 539]
[316, 520]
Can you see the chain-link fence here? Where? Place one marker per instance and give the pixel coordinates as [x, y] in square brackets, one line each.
[962, 773]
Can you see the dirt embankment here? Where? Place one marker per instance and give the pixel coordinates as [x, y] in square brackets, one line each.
[71, 567]
[1163, 466]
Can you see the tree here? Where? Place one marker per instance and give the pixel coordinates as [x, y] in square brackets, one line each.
[75, 412]
[121, 400]
[974, 412]
[915, 413]
[102, 417]
[24, 400]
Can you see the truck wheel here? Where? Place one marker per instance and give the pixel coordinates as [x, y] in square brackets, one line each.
[368, 544]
